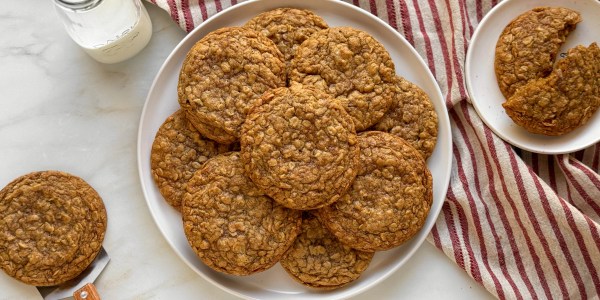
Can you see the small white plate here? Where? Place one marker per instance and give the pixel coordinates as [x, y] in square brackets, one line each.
[483, 87]
[275, 283]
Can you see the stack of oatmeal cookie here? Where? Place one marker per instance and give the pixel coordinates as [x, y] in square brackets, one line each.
[295, 143]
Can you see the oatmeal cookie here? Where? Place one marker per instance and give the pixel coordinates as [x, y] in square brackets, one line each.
[350, 65]
[299, 145]
[210, 131]
[389, 200]
[230, 224]
[529, 44]
[52, 225]
[318, 260]
[411, 117]
[287, 27]
[177, 152]
[223, 74]
[564, 100]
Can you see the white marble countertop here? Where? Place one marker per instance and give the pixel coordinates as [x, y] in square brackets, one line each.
[62, 110]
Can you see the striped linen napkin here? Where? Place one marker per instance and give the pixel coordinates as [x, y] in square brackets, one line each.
[524, 225]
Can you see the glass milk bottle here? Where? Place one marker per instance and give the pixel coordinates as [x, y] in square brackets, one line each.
[110, 31]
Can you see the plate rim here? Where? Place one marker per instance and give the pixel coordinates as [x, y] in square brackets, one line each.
[477, 105]
[443, 121]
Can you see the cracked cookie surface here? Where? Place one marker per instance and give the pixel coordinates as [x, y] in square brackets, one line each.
[287, 27]
[299, 146]
[178, 151]
[222, 75]
[528, 46]
[52, 225]
[411, 117]
[230, 224]
[350, 65]
[388, 201]
[318, 260]
[563, 101]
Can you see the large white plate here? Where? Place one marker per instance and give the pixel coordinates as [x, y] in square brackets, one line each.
[275, 283]
[483, 87]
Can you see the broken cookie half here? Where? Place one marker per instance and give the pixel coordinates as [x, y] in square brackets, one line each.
[562, 101]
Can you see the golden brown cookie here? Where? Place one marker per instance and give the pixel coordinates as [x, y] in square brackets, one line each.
[210, 131]
[529, 44]
[52, 225]
[287, 27]
[178, 151]
[222, 75]
[318, 260]
[389, 200]
[411, 117]
[564, 100]
[230, 224]
[350, 65]
[299, 146]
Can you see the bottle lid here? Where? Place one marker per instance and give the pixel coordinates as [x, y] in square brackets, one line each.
[78, 4]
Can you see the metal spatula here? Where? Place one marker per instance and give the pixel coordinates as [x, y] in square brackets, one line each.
[80, 287]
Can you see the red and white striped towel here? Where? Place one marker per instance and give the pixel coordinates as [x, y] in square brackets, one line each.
[524, 225]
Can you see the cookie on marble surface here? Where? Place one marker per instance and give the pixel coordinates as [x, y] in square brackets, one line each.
[318, 260]
[287, 27]
[52, 225]
[350, 65]
[232, 225]
[411, 117]
[529, 44]
[563, 101]
[223, 74]
[388, 201]
[299, 146]
[178, 151]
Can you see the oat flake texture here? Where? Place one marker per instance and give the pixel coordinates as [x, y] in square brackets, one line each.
[318, 260]
[230, 224]
[178, 151]
[528, 46]
[223, 74]
[389, 200]
[299, 145]
[411, 117]
[287, 27]
[564, 100]
[350, 65]
[52, 225]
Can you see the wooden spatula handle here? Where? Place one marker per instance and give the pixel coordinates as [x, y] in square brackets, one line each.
[87, 292]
